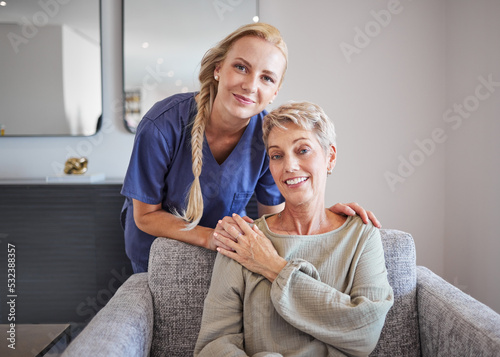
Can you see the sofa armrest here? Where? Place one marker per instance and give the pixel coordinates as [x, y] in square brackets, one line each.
[453, 323]
[124, 327]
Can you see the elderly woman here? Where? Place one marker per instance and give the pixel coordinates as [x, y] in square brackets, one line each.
[316, 284]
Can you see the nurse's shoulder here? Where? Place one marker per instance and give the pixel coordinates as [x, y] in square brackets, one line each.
[177, 106]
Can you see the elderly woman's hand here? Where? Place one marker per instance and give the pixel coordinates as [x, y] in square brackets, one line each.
[220, 231]
[351, 209]
[249, 247]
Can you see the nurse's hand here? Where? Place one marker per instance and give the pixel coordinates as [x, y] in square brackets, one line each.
[352, 209]
[251, 248]
[221, 232]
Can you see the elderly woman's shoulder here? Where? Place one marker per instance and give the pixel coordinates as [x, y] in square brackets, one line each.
[356, 223]
[261, 222]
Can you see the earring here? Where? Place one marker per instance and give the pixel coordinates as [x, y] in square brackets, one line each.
[329, 172]
[216, 77]
[271, 102]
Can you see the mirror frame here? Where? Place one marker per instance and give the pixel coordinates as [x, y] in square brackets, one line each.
[67, 115]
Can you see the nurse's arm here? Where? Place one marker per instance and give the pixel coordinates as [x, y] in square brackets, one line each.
[263, 209]
[154, 220]
[352, 209]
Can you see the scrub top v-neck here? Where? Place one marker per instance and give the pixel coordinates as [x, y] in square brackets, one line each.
[160, 170]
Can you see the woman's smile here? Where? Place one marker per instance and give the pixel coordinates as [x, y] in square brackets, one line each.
[242, 99]
[296, 181]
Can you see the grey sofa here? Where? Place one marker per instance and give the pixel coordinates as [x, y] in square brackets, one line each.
[158, 313]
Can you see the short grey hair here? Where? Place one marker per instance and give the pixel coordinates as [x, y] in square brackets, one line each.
[306, 115]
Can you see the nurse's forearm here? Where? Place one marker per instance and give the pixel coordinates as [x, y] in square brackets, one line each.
[157, 222]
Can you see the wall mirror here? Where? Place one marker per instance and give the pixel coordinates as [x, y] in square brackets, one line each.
[164, 41]
[50, 67]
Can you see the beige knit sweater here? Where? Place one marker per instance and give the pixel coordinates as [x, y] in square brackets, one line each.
[331, 298]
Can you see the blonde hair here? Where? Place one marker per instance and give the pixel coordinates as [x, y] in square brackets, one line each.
[208, 91]
[307, 115]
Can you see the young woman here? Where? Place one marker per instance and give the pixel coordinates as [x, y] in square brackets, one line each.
[198, 157]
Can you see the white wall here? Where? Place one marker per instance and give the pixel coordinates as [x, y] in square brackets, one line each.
[472, 238]
[388, 104]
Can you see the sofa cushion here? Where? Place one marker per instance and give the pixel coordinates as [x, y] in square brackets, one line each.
[400, 335]
[179, 278]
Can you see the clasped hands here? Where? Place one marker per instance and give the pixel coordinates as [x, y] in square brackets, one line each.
[246, 244]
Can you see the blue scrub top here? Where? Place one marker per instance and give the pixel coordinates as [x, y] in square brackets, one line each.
[160, 171]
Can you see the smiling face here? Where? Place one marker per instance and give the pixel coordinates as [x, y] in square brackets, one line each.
[249, 78]
[299, 164]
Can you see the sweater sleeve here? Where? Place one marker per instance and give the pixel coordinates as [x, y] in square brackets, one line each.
[349, 322]
[221, 332]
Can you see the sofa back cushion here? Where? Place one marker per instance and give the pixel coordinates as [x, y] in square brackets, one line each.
[179, 278]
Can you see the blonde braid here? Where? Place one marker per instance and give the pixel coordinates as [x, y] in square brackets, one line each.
[194, 210]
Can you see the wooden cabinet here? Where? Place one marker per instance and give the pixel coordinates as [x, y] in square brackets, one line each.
[69, 249]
